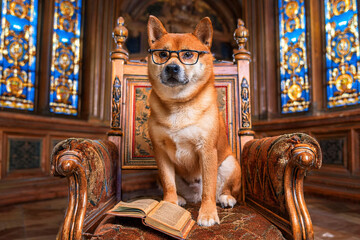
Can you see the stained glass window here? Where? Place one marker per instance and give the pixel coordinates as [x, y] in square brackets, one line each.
[342, 53]
[18, 54]
[294, 83]
[64, 87]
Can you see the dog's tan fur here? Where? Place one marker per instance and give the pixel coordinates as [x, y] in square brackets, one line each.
[186, 129]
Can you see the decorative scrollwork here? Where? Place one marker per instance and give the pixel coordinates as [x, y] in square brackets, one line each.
[116, 103]
[89, 166]
[245, 104]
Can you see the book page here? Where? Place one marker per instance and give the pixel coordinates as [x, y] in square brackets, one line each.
[145, 205]
[170, 215]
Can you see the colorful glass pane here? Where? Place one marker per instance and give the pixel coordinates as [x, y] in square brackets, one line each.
[64, 86]
[294, 83]
[342, 53]
[18, 54]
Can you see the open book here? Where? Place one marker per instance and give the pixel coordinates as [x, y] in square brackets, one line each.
[165, 217]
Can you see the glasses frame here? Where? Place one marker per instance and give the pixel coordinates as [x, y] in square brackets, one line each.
[151, 51]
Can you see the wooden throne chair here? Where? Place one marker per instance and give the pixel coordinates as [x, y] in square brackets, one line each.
[272, 203]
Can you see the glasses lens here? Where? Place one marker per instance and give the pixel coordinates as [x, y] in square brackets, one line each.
[160, 56]
[188, 57]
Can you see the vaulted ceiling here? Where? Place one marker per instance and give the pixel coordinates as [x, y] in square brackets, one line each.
[227, 11]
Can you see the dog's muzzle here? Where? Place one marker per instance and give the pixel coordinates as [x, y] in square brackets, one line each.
[173, 76]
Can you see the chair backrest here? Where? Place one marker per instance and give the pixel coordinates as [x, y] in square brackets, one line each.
[130, 108]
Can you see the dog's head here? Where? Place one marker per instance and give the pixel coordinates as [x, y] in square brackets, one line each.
[179, 64]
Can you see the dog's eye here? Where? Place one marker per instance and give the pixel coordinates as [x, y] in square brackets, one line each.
[163, 54]
[188, 55]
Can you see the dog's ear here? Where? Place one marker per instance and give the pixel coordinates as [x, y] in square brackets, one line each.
[204, 31]
[155, 29]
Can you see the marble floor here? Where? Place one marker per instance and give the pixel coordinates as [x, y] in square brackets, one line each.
[40, 220]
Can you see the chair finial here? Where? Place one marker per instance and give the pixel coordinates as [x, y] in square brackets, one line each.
[120, 34]
[241, 34]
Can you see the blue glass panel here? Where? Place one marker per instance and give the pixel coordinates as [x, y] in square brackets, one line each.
[18, 41]
[294, 83]
[342, 53]
[64, 86]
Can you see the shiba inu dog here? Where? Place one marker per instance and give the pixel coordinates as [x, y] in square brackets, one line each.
[188, 133]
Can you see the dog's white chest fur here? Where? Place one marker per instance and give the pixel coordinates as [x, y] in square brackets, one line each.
[185, 143]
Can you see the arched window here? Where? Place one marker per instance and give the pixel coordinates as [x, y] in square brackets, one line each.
[294, 79]
[19, 21]
[64, 88]
[20, 51]
[342, 53]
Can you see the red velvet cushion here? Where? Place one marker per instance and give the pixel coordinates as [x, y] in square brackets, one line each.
[239, 222]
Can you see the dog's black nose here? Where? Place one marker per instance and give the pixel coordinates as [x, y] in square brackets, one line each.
[172, 69]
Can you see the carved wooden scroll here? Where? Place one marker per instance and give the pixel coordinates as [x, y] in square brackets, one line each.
[89, 167]
[273, 172]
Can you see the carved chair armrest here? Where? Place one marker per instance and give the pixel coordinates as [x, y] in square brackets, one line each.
[89, 166]
[273, 174]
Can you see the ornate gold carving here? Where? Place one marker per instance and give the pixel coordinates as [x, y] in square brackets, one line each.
[245, 104]
[116, 103]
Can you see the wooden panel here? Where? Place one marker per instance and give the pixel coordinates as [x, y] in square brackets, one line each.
[22, 183]
[24, 153]
[335, 149]
[23, 156]
[339, 129]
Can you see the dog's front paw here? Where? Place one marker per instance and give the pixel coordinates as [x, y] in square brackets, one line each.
[207, 217]
[181, 201]
[227, 201]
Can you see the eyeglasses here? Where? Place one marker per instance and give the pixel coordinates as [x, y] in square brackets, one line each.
[187, 57]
